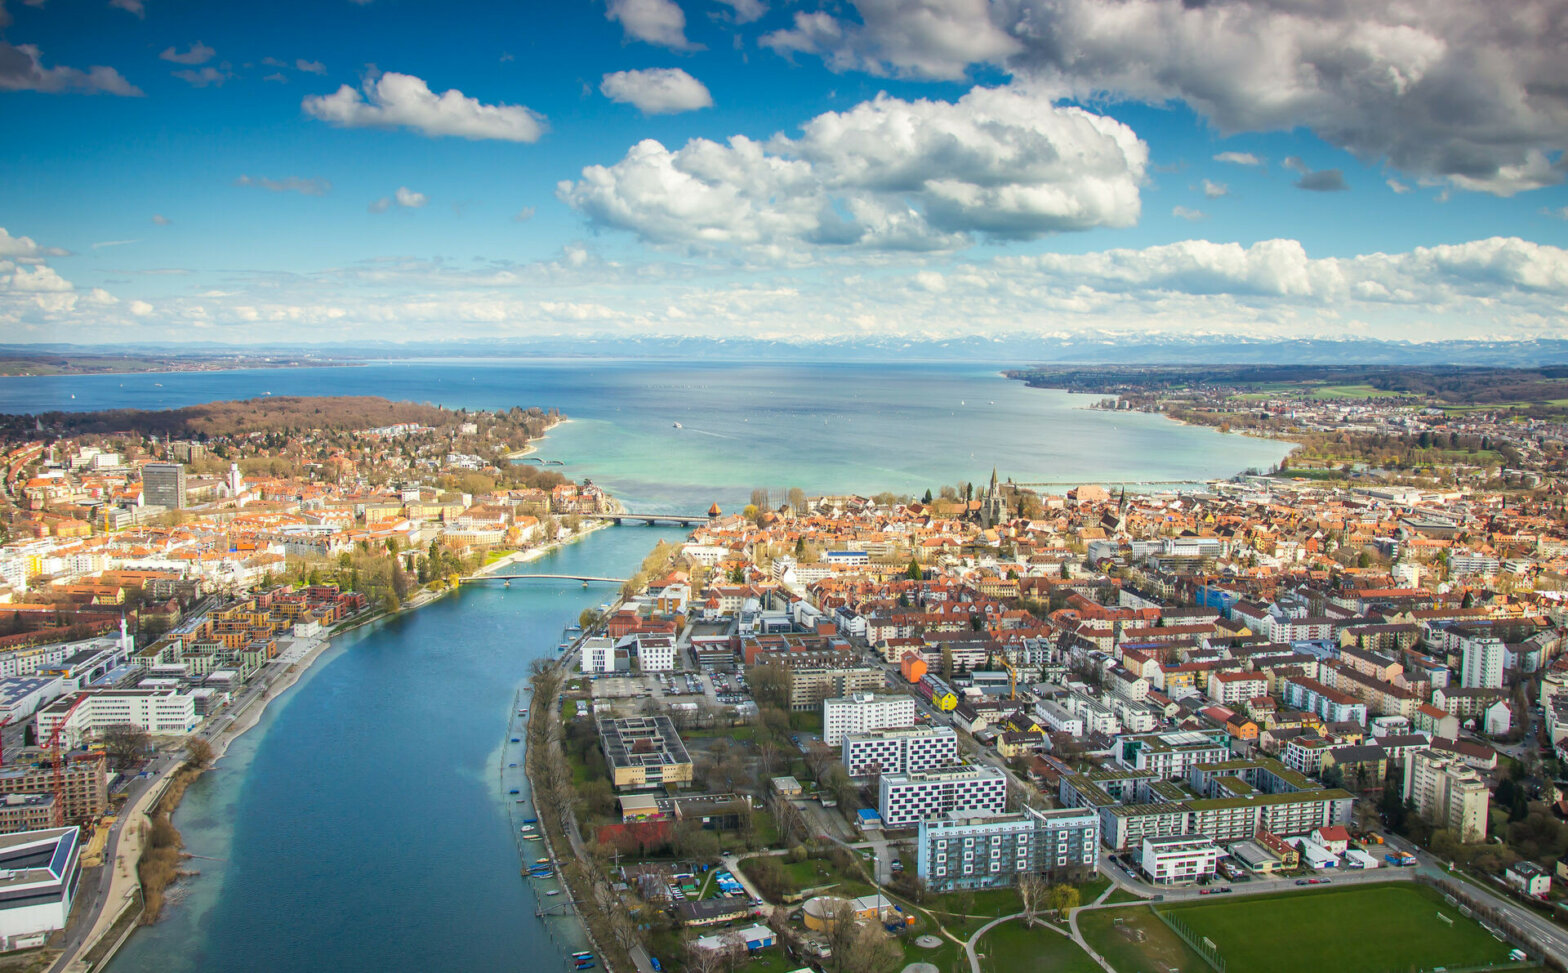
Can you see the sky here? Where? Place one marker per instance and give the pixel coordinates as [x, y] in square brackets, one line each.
[391, 170]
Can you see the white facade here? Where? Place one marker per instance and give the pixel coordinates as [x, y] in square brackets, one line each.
[159, 712]
[906, 800]
[1483, 663]
[1179, 859]
[598, 655]
[20, 697]
[35, 899]
[655, 653]
[862, 713]
[901, 751]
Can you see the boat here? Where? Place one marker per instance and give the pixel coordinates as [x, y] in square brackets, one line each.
[552, 892]
[532, 837]
[679, 426]
[582, 954]
[541, 861]
[506, 584]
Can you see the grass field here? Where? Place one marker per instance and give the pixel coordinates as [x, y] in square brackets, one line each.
[1139, 942]
[1369, 929]
[1010, 948]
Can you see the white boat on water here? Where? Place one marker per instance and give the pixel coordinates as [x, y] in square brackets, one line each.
[679, 426]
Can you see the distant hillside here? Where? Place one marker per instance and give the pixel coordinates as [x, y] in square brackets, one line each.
[264, 414]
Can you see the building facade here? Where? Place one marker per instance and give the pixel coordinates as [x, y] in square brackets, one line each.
[900, 751]
[962, 851]
[1448, 793]
[904, 800]
[163, 484]
[862, 713]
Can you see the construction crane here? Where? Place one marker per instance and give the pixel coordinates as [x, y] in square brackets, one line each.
[1012, 677]
[59, 762]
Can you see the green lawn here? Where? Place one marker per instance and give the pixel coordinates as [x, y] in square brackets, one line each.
[1010, 948]
[1122, 895]
[1368, 929]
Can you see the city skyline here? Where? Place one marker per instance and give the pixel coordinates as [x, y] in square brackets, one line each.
[387, 171]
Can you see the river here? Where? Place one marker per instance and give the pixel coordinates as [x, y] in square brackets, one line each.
[365, 824]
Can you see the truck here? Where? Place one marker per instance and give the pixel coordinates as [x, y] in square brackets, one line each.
[1400, 859]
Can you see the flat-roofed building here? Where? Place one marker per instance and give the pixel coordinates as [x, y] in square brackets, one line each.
[977, 851]
[39, 871]
[644, 752]
[1448, 793]
[1179, 859]
[905, 800]
[862, 713]
[159, 712]
[900, 751]
[84, 777]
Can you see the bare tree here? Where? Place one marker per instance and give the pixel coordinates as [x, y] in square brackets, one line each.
[1032, 891]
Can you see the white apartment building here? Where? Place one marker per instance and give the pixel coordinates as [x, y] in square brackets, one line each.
[1484, 660]
[1179, 859]
[1171, 754]
[1097, 717]
[160, 712]
[655, 653]
[900, 751]
[862, 713]
[1056, 716]
[1232, 688]
[39, 871]
[907, 799]
[598, 655]
[993, 850]
[1448, 793]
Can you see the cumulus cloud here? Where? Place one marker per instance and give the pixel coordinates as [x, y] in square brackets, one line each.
[886, 174]
[21, 247]
[1439, 88]
[659, 22]
[404, 197]
[199, 53]
[657, 91]
[21, 69]
[310, 67]
[1214, 190]
[745, 11]
[1189, 214]
[291, 184]
[1239, 158]
[403, 101]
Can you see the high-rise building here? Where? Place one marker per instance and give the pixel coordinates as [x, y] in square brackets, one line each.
[164, 484]
[862, 713]
[1448, 793]
[1483, 661]
[979, 851]
[900, 751]
[904, 800]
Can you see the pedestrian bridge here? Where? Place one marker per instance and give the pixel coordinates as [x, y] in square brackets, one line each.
[584, 578]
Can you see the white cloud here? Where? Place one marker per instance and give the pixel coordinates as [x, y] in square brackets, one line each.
[403, 101]
[745, 11]
[141, 308]
[1560, 214]
[404, 197]
[23, 248]
[523, 215]
[310, 67]
[1189, 214]
[113, 243]
[886, 174]
[199, 53]
[21, 69]
[659, 22]
[1439, 88]
[1214, 190]
[130, 6]
[1397, 186]
[160, 220]
[657, 91]
[291, 184]
[1239, 158]
[208, 75]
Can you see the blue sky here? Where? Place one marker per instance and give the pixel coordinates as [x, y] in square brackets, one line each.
[186, 171]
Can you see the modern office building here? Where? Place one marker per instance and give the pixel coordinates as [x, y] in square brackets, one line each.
[598, 655]
[904, 800]
[163, 484]
[862, 713]
[644, 752]
[1448, 793]
[39, 871]
[159, 712]
[655, 653]
[1179, 859]
[900, 751]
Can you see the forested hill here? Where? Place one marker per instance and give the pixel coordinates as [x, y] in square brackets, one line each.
[268, 414]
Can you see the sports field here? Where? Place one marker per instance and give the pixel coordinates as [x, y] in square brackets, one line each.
[1363, 929]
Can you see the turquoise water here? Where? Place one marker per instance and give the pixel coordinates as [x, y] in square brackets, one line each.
[365, 823]
[824, 427]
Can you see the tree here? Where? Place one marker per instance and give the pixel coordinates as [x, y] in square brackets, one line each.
[588, 619]
[914, 573]
[1062, 899]
[770, 685]
[1032, 890]
[841, 937]
[873, 951]
[198, 751]
[125, 744]
[797, 500]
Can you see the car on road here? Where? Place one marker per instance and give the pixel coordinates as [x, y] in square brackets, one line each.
[1302, 881]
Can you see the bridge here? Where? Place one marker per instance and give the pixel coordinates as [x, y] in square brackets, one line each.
[684, 520]
[584, 578]
[541, 462]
